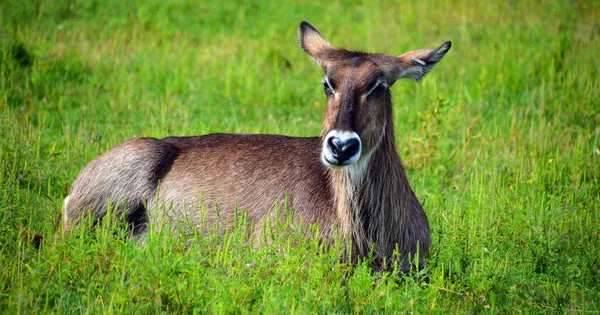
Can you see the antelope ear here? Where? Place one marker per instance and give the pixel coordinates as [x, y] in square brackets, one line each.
[416, 64]
[312, 42]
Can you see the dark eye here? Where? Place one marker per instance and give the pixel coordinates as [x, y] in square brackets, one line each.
[377, 87]
[328, 90]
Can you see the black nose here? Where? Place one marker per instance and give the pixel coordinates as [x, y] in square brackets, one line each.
[343, 150]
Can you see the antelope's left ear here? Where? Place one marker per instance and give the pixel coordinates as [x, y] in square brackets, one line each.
[416, 64]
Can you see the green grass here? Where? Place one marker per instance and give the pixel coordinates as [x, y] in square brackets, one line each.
[501, 142]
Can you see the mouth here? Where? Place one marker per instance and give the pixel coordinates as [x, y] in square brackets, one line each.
[335, 165]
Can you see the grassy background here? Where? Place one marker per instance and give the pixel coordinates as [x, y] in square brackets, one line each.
[501, 142]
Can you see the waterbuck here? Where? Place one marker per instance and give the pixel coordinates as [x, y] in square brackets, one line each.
[348, 180]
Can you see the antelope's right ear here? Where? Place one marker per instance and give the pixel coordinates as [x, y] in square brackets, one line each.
[312, 42]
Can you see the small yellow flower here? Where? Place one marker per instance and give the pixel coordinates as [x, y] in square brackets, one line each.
[529, 181]
[550, 161]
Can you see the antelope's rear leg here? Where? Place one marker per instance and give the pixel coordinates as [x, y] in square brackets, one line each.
[125, 176]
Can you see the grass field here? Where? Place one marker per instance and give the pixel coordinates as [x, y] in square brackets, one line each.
[501, 142]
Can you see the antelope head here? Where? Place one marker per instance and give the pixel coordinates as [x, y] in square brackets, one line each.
[357, 86]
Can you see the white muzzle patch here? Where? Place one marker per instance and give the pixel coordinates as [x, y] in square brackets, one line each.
[341, 148]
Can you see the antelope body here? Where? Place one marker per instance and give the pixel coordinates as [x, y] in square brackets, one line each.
[350, 178]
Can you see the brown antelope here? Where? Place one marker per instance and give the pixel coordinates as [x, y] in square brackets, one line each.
[348, 180]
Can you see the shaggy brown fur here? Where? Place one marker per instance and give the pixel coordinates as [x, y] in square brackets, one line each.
[370, 200]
